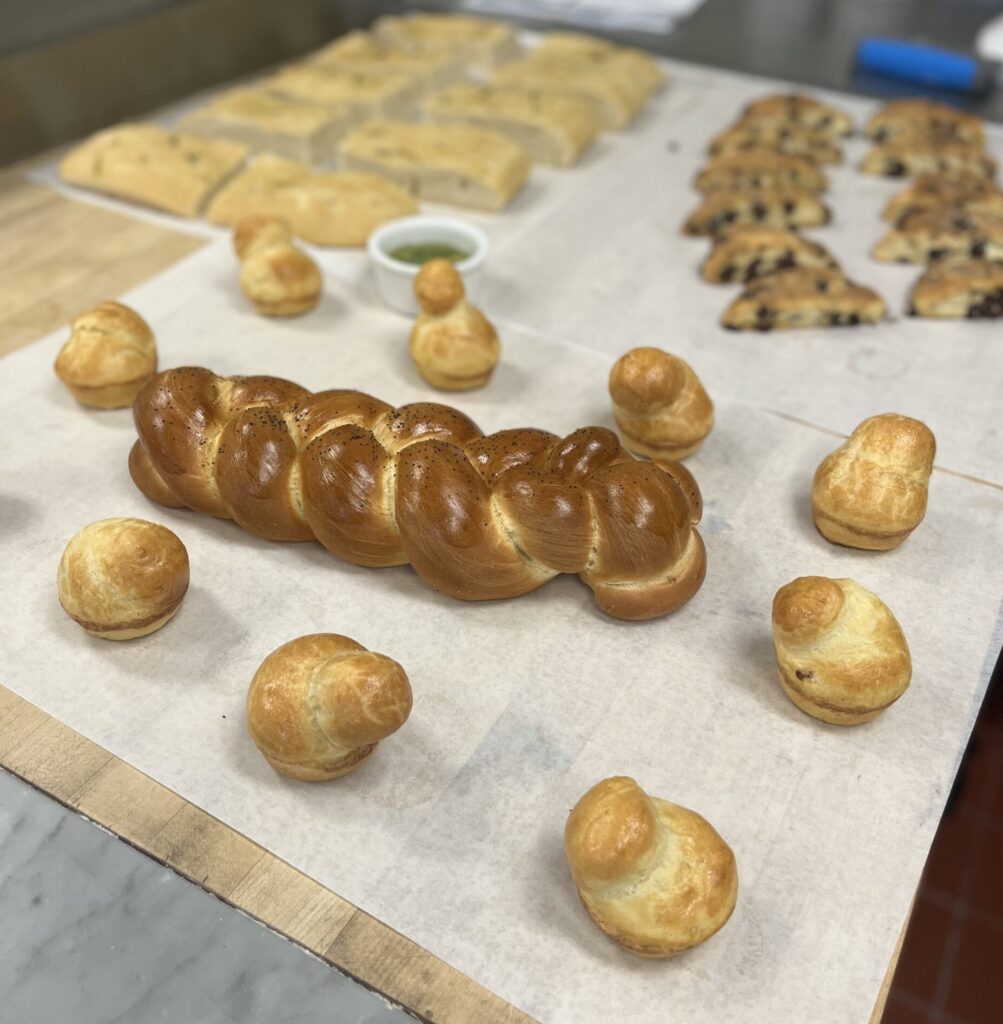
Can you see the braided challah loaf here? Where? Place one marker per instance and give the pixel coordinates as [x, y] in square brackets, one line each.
[477, 516]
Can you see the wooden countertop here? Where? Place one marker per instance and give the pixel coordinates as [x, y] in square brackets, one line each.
[60, 258]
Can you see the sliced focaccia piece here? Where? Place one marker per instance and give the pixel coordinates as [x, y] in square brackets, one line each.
[803, 111]
[616, 103]
[803, 297]
[942, 233]
[480, 42]
[960, 190]
[781, 208]
[643, 68]
[780, 137]
[551, 129]
[760, 168]
[911, 157]
[262, 120]
[333, 208]
[146, 163]
[746, 253]
[917, 117]
[446, 163]
[360, 53]
[364, 95]
[959, 290]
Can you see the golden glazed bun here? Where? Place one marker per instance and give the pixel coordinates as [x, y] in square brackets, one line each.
[122, 578]
[841, 654]
[319, 704]
[452, 343]
[655, 877]
[659, 403]
[279, 278]
[871, 491]
[109, 356]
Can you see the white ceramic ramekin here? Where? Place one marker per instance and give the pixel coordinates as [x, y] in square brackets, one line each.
[395, 279]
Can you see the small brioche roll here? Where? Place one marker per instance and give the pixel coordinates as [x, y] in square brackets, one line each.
[123, 578]
[318, 705]
[841, 654]
[871, 491]
[660, 405]
[108, 358]
[453, 343]
[655, 877]
[279, 278]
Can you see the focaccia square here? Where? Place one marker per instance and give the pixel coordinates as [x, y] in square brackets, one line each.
[551, 129]
[479, 42]
[264, 120]
[146, 163]
[330, 208]
[364, 95]
[637, 67]
[446, 163]
[615, 100]
[360, 53]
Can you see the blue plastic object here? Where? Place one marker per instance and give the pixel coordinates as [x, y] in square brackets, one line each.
[924, 65]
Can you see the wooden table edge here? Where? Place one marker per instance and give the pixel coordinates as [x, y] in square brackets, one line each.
[81, 775]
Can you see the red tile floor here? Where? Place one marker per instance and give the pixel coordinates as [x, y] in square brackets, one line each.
[951, 967]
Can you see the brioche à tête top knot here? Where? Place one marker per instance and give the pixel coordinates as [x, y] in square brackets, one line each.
[453, 344]
[277, 276]
[655, 877]
[476, 516]
[659, 404]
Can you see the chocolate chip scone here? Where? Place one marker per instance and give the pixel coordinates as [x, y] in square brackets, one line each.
[944, 233]
[959, 289]
[911, 157]
[960, 190]
[803, 297]
[800, 110]
[746, 253]
[760, 168]
[779, 137]
[917, 117]
[781, 208]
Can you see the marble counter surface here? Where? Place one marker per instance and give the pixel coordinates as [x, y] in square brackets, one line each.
[98, 933]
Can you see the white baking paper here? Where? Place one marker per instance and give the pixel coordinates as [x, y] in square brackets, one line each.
[451, 833]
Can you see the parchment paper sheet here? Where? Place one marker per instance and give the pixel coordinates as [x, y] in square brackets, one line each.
[452, 832]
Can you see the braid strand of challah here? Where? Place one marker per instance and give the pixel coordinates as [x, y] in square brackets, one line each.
[477, 516]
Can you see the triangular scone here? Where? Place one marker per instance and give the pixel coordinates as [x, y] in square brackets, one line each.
[265, 121]
[942, 233]
[959, 290]
[783, 208]
[446, 163]
[803, 111]
[760, 168]
[748, 252]
[480, 42]
[803, 298]
[616, 102]
[332, 208]
[779, 137]
[911, 157]
[960, 190]
[909, 118]
[551, 129]
[149, 164]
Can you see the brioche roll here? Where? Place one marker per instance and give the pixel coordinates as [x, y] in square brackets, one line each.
[278, 277]
[871, 491]
[655, 877]
[841, 654]
[109, 356]
[122, 578]
[318, 705]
